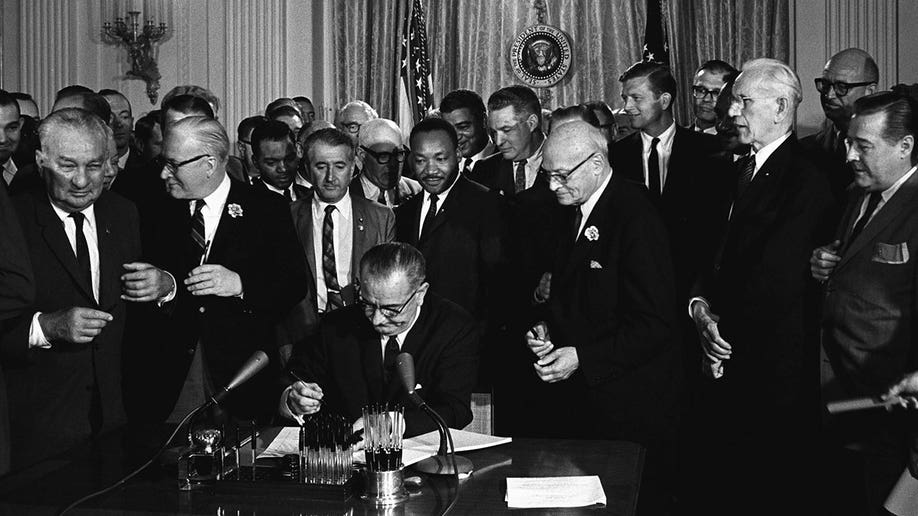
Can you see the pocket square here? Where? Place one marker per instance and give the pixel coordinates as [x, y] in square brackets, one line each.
[595, 265]
[894, 254]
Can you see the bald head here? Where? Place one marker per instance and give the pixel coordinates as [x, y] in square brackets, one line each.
[847, 76]
[353, 115]
[574, 157]
[380, 130]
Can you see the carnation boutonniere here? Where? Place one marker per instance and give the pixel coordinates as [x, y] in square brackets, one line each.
[234, 210]
[360, 224]
[592, 233]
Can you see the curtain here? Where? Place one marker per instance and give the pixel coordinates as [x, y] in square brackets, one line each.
[730, 30]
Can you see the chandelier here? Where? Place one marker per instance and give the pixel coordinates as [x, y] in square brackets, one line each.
[140, 43]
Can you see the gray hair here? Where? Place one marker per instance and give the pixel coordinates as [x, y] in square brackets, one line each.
[206, 131]
[776, 76]
[76, 119]
[368, 109]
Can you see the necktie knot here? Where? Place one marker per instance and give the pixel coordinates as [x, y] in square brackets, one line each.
[78, 219]
[329, 209]
[199, 205]
[519, 179]
[434, 198]
[654, 142]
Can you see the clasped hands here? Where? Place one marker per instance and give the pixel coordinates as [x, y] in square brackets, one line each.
[143, 282]
[553, 365]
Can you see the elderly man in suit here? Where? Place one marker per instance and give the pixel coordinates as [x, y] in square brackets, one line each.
[63, 355]
[754, 307]
[352, 116]
[608, 339]
[870, 310]
[351, 361]
[276, 157]
[382, 152]
[234, 269]
[335, 229]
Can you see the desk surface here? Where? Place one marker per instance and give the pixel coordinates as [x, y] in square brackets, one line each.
[46, 487]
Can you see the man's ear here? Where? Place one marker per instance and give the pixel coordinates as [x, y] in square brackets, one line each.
[907, 146]
[422, 292]
[666, 100]
[783, 109]
[532, 121]
[40, 160]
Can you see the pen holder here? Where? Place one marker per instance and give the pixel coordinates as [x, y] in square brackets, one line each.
[385, 488]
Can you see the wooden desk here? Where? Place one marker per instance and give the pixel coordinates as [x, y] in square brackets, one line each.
[46, 487]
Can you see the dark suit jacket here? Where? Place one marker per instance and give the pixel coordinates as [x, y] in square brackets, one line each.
[465, 248]
[828, 149]
[50, 390]
[373, 224]
[345, 358]
[760, 281]
[496, 174]
[612, 298]
[299, 191]
[260, 246]
[26, 179]
[17, 294]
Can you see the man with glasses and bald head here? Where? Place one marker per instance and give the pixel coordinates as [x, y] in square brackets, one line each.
[381, 150]
[351, 361]
[234, 270]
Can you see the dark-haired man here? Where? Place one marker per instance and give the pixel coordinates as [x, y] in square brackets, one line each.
[466, 111]
[351, 362]
[14, 180]
[306, 109]
[128, 163]
[709, 79]
[869, 311]
[241, 168]
[276, 157]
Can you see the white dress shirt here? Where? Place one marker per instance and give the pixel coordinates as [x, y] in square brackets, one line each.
[762, 155]
[9, 171]
[343, 231]
[425, 204]
[884, 197]
[213, 208]
[533, 165]
[488, 151]
[587, 208]
[122, 161]
[664, 151]
[278, 191]
[90, 233]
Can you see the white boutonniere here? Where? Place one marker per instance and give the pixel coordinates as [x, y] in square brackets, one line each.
[234, 210]
[360, 224]
[592, 233]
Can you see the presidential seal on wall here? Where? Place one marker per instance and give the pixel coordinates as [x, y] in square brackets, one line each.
[541, 55]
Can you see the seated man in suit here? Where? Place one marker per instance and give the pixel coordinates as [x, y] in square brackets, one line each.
[63, 355]
[381, 150]
[276, 157]
[335, 229]
[466, 111]
[870, 309]
[351, 362]
[234, 269]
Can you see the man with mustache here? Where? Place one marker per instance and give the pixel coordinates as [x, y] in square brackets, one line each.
[276, 157]
[466, 111]
[335, 228]
[847, 76]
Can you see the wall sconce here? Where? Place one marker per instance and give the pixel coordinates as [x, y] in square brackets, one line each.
[140, 45]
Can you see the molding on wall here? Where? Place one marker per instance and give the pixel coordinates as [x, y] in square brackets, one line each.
[865, 24]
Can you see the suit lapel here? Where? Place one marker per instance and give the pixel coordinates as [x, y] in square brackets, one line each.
[228, 226]
[302, 220]
[765, 176]
[362, 234]
[674, 176]
[371, 347]
[109, 288]
[454, 199]
[903, 198]
[54, 235]
[583, 244]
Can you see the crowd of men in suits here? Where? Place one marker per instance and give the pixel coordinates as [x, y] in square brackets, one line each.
[702, 290]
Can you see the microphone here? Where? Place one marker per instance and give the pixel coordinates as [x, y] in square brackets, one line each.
[438, 464]
[250, 368]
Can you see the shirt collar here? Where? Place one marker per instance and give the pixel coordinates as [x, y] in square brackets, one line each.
[587, 207]
[343, 206]
[400, 337]
[122, 161]
[765, 152]
[889, 192]
[666, 138]
[217, 198]
[485, 153]
[370, 190]
[89, 213]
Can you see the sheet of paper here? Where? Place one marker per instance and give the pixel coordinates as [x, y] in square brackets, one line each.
[413, 450]
[554, 492]
[903, 499]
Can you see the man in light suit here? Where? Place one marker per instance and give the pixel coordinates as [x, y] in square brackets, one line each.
[870, 310]
[335, 229]
[754, 306]
[381, 150]
[62, 356]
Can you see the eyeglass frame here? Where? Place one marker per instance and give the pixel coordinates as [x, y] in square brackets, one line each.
[386, 311]
[835, 85]
[355, 125]
[400, 155]
[562, 180]
[705, 92]
[174, 167]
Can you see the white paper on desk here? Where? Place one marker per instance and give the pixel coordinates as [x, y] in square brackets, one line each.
[903, 499]
[414, 449]
[553, 492]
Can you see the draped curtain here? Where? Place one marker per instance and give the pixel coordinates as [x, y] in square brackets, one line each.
[730, 30]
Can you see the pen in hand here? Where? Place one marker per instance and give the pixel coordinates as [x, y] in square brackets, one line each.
[204, 254]
[297, 378]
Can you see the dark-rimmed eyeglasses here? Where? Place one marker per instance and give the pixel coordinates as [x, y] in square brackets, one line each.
[385, 157]
[700, 92]
[352, 127]
[563, 177]
[388, 311]
[841, 88]
[174, 167]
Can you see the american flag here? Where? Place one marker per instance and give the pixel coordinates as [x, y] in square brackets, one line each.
[656, 49]
[415, 70]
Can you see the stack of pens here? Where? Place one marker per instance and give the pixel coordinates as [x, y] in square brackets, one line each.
[326, 455]
[383, 427]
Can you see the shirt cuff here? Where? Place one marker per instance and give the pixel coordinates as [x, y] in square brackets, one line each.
[285, 408]
[692, 302]
[171, 295]
[37, 337]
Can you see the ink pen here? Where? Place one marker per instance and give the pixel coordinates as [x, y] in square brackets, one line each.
[297, 378]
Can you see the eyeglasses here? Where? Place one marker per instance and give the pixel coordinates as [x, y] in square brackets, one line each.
[384, 157]
[841, 88]
[174, 167]
[700, 92]
[562, 178]
[389, 312]
[352, 127]
[247, 142]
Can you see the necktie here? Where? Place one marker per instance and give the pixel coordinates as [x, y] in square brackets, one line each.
[747, 169]
[288, 195]
[429, 218]
[382, 197]
[467, 167]
[578, 219]
[329, 270]
[392, 351]
[197, 233]
[653, 170]
[872, 203]
[519, 179]
[82, 249]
